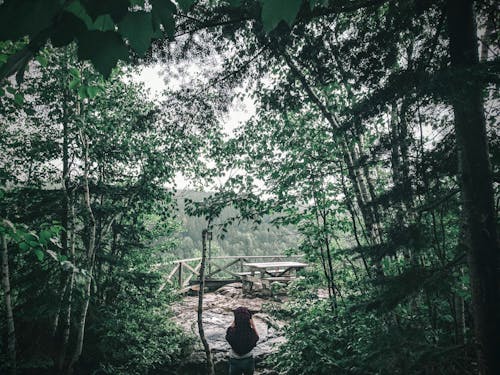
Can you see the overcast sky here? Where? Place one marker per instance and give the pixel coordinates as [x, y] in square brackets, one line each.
[155, 78]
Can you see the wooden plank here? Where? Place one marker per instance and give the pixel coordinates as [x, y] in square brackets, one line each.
[195, 271]
[180, 274]
[280, 278]
[232, 257]
[276, 265]
[172, 273]
[245, 273]
[162, 286]
[223, 268]
[256, 257]
[186, 260]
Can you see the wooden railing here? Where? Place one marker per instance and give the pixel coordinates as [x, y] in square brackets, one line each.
[185, 272]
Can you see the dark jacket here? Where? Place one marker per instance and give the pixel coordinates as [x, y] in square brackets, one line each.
[242, 339]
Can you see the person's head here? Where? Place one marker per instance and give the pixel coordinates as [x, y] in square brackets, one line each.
[242, 316]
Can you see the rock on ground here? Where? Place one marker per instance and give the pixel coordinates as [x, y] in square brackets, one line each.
[217, 316]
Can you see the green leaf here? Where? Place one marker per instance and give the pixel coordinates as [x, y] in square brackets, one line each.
[39, 254]
[24, 246]
[42, 60]
[20, 18]
[103, 23]
[67, 28]
[92, 91]
[2, 92]
[235, 3]
[45, 236]
[19, 98]
[162, 12]
[74, 72]
[77, 9]
[137, 27]
[185, 4]
[275, 11]
[82, 92]
[74, 83]
[103, 48]
[11, 90]
[3, 58]
[117, 9]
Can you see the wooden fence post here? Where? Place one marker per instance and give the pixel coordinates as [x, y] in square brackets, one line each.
[180, 274]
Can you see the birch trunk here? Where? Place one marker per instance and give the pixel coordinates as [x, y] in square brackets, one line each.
[66, 324]
[11, 331]
[90, 259]
[67, 240]
[361, 189]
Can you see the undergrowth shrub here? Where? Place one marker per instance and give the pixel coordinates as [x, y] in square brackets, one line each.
[326, 341]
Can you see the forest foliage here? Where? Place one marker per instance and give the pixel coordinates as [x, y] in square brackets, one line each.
[375, 137]
[241, 238]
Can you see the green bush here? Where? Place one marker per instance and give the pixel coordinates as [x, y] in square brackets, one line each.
[322, 341]
[139, 341]
[135, 339]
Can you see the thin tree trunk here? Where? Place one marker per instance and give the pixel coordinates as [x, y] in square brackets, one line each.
[326, 268]
[362, 190]
[55, 322]
[476, 181]
[350, 208]
[459, 304]
[488, 37]
[90, 259]
[67, 240]
[206, 347]
[360, 187]
[11, 331]
[67, 307]
[66, 324]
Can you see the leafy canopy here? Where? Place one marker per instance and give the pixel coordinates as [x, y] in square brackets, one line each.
[109, 31]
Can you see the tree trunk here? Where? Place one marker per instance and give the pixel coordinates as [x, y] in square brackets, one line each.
[476, 183]
[210, 364]
[90, 258]
[67, 239]
[488, 37]
[11, 331]
[66, 324]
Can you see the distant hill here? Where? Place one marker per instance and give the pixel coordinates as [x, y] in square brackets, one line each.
[241, 239]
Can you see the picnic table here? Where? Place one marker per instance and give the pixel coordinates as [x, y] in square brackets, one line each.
[267, 272]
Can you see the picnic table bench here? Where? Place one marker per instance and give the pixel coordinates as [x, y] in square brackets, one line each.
[266, 273]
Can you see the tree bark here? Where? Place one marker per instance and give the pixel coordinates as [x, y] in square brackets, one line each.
[476, 184]
[90, 258]
[206, 347]
[361, 189]
[66, 324]
[11, 331]
[67, 239]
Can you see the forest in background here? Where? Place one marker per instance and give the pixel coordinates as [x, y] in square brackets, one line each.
[241, 238]
[375, 135]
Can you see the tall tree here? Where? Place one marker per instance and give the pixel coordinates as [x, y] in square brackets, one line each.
[476, 181]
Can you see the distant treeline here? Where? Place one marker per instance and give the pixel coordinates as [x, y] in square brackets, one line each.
[243, 238]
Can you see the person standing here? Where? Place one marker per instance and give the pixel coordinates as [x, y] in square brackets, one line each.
[243, 337]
